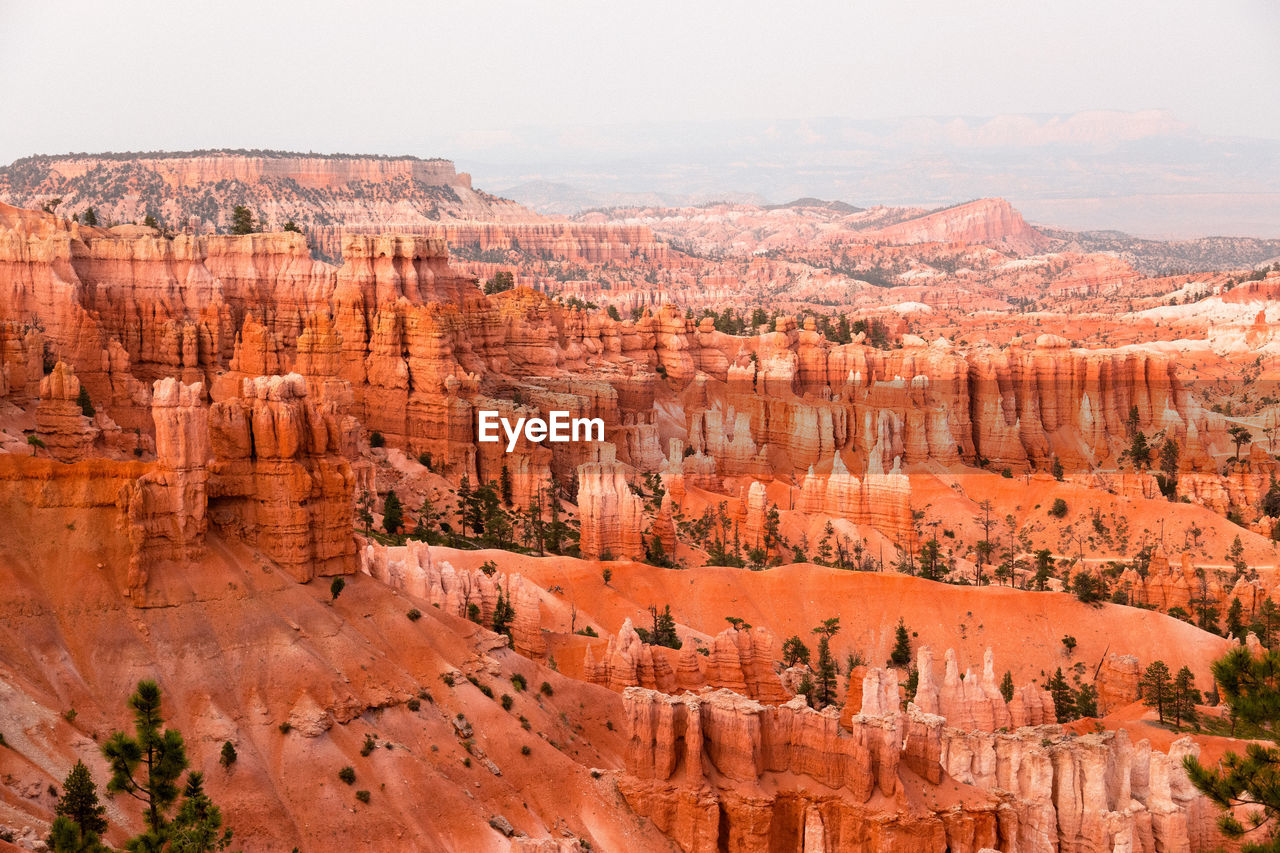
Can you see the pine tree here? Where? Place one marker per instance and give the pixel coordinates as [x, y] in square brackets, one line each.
[392, 513]
[197, 827]
[1249, 688]
[65, 836]
[794, 651]
[228, 756]
[90, 218]
[503, 614]
[1086, 701]
[824, 545]
[912, 685]
[901, 654]
[1156, 688]
[464, 501]
[664, 628]
[81, 819]
[147, 765]
[336, 586]
[1185, 697]
[1006, 686]
[805, 689]
[504, 486]
[364, 510]
[85, 403]
[427, 527]
[1064, 703]
[555, 527]
[1266, 621]
[825, 692]
[1235, 621]
[241, 220]
[1044, 569]
[497, 523]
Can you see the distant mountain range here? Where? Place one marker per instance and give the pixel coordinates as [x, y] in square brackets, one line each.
[1145, 173]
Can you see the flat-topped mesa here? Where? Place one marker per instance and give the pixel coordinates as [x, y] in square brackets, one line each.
[327, 197]
[279, 479]
[194, 168]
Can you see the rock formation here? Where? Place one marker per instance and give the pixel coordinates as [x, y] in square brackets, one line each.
[60, 423]
[717, 769]
[279, 480]
[612, 516]
[167, 508]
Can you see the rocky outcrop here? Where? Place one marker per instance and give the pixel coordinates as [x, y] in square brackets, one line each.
[628, 661]
[612, 516]
[716, 770]
[60, 422]
[1117, 682]
[1098, 792]
[279, 481]
[970, 702]
[167, 508]
[881, 501]
[990, 221]
[466, 593]
[738, 660]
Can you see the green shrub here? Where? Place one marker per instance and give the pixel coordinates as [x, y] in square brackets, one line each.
[506, 702]
[546, 689]
[1059, 508]
[363, 796]
[228, 756]
[376, 439]
[286, 727]
[525, 750]
[518, 682]
[347, 775]
[414, 614]
[414, 704]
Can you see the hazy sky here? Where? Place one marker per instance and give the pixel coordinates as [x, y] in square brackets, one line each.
[410, 77]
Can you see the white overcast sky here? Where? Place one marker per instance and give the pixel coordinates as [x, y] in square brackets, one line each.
[408, 77]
